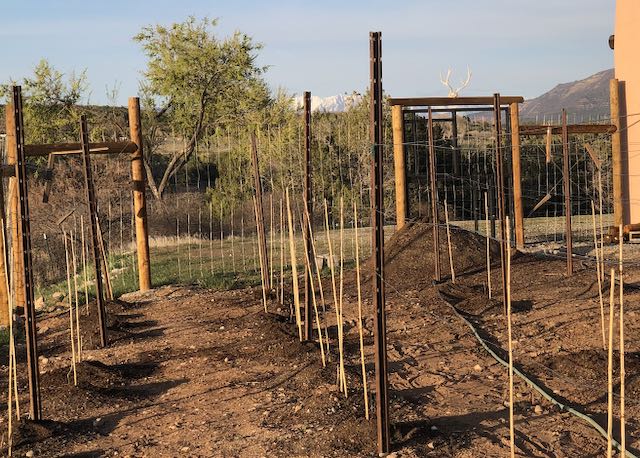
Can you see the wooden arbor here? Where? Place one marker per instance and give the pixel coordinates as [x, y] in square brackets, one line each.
[20, 269]
[453, 106]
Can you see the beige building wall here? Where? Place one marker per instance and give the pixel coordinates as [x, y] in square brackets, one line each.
[627, 71]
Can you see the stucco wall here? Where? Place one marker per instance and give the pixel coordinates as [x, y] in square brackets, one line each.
[627, 71]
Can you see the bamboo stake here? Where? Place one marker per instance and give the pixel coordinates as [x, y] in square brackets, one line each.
[271, 241]
[360, 330]
[294, 268]
[73, 345]
[446, 218]
[84, 265]
[595, 243]
[309, 271]
[332, 267]
[508, 267]
[75, 289]
[610, 368]
[601, 225]
[281, 253]
[320, 288]
[623, 438]
[486, 213]
[340, 314]
[262, 266]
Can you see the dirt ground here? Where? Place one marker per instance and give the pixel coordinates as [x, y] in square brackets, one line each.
[201, 373]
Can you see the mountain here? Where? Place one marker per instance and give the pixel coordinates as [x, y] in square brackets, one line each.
[333, 104]
[583, 99]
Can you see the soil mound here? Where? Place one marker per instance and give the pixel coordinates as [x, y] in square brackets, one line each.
[409, 257]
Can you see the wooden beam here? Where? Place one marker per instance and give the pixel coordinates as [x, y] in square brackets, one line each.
[571, 129]
[451, 101]
[517, 180]
[125, 147]
[399, 166]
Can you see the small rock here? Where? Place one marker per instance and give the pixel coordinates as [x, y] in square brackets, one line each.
[226, 360]
[477, 368]
[431, 446]
[434, 428]
[184, 449]
[221, 328]
[40, 303]
[537, 409]
[29, 454]
[43, 360]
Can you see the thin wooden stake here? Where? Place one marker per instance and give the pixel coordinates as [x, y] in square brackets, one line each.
[294, 268]
[73, 345]
[271, 241]
[281, 252]
[262, 266]
[623, 438]
[319, 279]
[610, 368]
[595, 243]
[360, 330]
[309, 272]
[510, 340]
[75, 290]
[84, 266]
[332, 267]
[486, 213]
[446, 219]
[340, 312]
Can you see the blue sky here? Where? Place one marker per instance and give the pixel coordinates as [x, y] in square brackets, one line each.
[516, 47]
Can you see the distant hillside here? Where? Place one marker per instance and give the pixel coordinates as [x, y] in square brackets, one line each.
[584, 99]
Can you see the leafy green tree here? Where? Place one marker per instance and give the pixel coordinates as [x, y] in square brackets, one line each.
[196, 82]
[51, 101]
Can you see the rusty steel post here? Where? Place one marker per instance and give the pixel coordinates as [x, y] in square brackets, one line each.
[399, 165]
[307, 220]
[377, 223]
[434, 199]
[139, 181]
[262, 238]
[497, 113]
[566, 189]
[93, 227]
[35, 406]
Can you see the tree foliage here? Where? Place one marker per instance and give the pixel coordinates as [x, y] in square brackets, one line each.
[196, 83]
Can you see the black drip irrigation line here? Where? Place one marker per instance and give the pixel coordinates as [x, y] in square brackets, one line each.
[531, 383]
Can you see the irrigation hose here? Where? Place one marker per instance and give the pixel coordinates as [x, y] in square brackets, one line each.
[532, 384]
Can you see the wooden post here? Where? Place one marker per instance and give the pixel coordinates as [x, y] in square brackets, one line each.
[454, 141]
[16, 269]
[377, 223]
[93, 226]
[566, 189]
[399, 165]
[616, 153]
[307, 221]
[517, 180]
[434, 199]
[24, 224]
[139, 180]
[262, 237]
[497, 113]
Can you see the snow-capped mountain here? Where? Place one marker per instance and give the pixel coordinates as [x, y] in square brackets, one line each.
[332, 104]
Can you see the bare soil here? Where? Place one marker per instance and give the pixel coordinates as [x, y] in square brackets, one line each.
[201, 373]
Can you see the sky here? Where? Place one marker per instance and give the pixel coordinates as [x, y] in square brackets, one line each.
[515, 47]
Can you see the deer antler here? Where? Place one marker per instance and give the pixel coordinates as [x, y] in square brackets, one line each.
[445, 81]
[454, 92]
